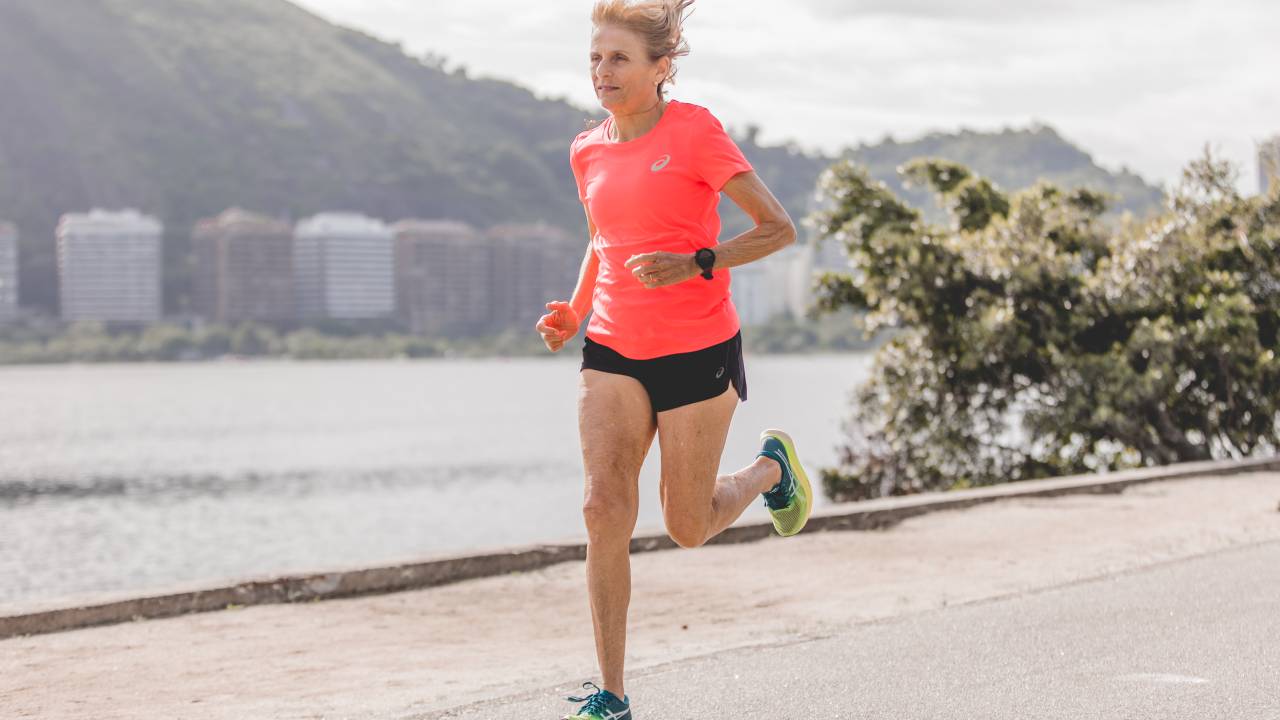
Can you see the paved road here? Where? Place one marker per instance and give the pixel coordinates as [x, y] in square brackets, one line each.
[1196, 639]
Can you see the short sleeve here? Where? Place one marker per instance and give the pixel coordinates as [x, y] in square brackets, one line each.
[576, 165]
[717, 157]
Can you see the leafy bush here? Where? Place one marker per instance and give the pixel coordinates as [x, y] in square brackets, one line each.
[1035, 339]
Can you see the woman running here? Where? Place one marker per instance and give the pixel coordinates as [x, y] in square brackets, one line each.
[664, 343]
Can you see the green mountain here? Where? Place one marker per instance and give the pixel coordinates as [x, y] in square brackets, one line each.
[1013, 159]
[183, 108]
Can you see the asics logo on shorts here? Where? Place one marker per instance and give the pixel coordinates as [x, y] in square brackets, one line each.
[719, 372]
[661, 163]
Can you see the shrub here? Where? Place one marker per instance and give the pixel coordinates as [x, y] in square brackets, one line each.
[1035, 339]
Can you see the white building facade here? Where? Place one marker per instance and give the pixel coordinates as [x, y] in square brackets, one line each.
[343, 267]
[1268, 165]
[768, 288]
[781, 284]
[8, 272]
[109, 266]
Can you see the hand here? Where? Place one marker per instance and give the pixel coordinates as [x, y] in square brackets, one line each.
[558, 325]
[658, 269]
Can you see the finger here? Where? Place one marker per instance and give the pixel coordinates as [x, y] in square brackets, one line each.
[638, 259]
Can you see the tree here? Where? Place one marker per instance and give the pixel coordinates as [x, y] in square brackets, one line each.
[1035, 339]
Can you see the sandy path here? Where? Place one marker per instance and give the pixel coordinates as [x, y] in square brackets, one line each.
[411, 653]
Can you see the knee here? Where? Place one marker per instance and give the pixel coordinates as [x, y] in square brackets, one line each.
[687, 533]
[608, 518]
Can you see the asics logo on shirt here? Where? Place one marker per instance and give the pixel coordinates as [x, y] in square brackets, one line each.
[661, 163]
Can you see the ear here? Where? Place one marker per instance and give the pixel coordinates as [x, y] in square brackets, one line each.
[664, 65]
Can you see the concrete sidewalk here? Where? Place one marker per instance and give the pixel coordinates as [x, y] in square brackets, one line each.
[418, 653]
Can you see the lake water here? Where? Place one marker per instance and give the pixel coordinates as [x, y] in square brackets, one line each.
[140, 478]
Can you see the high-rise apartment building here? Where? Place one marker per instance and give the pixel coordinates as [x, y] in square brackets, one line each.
[343, 267]
[771, 286]
[109, 266]
[532, 265]
[8, 272]
[243, 268]
[1268, 165]
[444, 278]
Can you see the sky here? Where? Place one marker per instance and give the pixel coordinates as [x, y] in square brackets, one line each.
[1143, 84]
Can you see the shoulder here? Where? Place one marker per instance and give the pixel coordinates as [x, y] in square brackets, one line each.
[688, 108]
[586, 137]
[696, 115]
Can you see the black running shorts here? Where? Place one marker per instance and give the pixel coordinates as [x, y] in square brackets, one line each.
[679, 379]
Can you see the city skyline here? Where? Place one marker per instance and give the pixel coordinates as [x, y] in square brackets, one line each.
[439, 277]
[1096, 71]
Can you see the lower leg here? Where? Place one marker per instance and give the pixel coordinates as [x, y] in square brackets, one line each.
[609, 586]
[734, 492]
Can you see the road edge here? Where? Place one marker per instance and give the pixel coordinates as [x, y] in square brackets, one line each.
[868, 515]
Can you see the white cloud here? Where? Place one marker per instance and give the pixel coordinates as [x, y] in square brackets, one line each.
[1139, 83]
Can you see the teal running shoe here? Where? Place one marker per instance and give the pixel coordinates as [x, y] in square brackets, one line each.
[791, 500]
[601, 705]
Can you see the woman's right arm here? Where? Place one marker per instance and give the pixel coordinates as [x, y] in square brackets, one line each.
[581, 302]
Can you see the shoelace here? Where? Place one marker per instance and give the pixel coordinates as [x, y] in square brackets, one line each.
[596, 702]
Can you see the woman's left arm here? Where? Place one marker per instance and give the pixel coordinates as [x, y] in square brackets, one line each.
[773, 231]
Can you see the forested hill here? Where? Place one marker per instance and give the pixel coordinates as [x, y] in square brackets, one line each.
[183, 108]
[1014, 159]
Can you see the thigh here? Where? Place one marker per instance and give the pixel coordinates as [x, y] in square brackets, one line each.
[692, 439]
[616, 426]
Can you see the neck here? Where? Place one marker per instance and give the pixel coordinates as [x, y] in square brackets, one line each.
[632, 125]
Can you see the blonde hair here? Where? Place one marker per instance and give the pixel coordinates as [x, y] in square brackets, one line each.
[659, 23]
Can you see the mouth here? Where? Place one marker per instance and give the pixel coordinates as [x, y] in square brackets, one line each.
[607, 88]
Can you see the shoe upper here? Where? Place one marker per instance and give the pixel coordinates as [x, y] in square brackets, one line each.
[784, 492]
[600, 705]
[789, 500]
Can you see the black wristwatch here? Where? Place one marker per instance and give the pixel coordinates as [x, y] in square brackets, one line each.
[706, 259]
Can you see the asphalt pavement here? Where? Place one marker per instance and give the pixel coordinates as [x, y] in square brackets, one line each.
[1194, 639]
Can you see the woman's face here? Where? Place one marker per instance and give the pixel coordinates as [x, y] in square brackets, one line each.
[625, 80]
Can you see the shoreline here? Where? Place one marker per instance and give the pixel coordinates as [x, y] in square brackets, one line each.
[113, 608]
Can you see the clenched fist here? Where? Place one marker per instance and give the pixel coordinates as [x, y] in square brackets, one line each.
[558, 325]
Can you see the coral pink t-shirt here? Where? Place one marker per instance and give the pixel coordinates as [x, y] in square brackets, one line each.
[658, 192]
